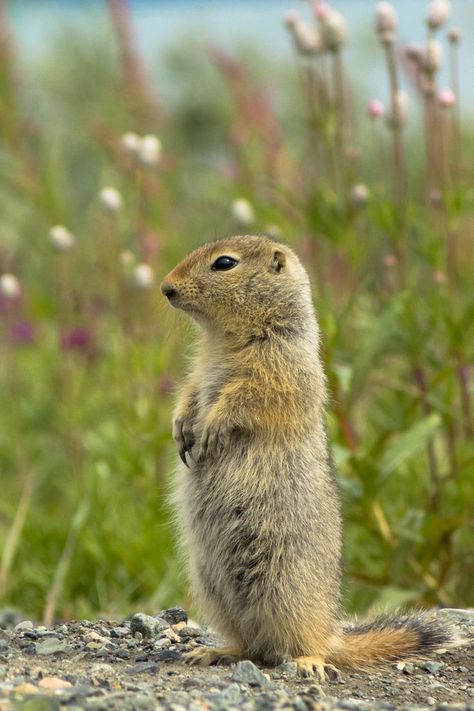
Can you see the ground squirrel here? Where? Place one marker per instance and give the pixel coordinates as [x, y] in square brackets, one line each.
[256, 498]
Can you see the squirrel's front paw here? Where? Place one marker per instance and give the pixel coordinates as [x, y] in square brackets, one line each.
[184, 436]
[214, 440]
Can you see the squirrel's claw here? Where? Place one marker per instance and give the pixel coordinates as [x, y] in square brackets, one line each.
[213, 441]
[184, 437]
[182, 455]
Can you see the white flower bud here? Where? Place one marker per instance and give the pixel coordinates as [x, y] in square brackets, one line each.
[432, 56]
[127, 258]
[306, 39]
[61, 238]
[438, 14]
[398, 113]
[143, 276]
[110, 199]
[386, 21]
[334, 30]
[243, 212]
[360, 195]
[149, 150]
[9, 286]
[130, 142]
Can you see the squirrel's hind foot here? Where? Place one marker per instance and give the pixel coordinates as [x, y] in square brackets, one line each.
[315, 666]
[207, 656]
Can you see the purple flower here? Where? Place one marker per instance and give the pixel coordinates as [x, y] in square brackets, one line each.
[76, 339]
[23, 332]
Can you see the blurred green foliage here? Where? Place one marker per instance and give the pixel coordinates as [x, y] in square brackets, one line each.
[90, 355]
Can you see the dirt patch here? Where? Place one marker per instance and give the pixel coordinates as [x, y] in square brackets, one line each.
[137, 665]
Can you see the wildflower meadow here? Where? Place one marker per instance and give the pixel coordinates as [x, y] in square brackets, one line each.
[104, 186]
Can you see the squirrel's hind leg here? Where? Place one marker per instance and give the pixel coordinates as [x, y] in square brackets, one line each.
[206, 656]
[315, 666]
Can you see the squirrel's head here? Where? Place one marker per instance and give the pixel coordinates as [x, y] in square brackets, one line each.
[241, 286]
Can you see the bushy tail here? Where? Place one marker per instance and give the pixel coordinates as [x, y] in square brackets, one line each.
[390, 637]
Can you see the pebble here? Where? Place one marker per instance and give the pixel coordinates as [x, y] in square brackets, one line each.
[432, 667]
[53, 645]
[247, 673]
[118, 632]
[147, 625]
[286, 668]
[174, 615]
[25, 625]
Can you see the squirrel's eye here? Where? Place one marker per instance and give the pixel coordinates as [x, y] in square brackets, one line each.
[223, 264]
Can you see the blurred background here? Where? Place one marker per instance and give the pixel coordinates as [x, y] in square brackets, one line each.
[131, 132]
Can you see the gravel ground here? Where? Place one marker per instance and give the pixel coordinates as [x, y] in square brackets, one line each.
[135, 664]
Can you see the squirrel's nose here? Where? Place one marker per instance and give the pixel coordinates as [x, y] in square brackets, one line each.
[168, 290]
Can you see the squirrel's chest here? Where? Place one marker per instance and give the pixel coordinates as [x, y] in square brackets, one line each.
[210, 389]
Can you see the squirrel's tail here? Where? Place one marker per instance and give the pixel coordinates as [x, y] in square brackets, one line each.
[390, 637]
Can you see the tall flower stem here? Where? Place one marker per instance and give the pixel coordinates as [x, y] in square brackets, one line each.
[456, 111]
[340, 137]
[397, 128]
[24, 472]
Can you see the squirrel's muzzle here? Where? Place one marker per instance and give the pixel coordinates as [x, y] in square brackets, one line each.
[169, 291]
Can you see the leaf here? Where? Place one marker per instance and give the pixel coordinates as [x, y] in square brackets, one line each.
[374, 344]
[408, 443]
[392, 598]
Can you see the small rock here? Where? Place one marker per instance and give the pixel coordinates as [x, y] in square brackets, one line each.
[53, 645]
[162, 643]
[170, 634]
[98, 669]
[94, 637]
[118, 632]
[148, 626]
[54, 682]
[143, 668]
[167, 655]
[247, 673]
[3, 645]
[25, 625]
[456, 614]
[174, 615]
[315, 691]
[231, 694]
[432, 667]
[94, 645]
[463, 670]
[187, 631]
[288, 668]
[192, 683]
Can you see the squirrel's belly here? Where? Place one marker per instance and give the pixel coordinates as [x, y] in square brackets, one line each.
[256, 535]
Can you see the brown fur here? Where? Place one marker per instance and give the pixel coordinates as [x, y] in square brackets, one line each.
[256, 498]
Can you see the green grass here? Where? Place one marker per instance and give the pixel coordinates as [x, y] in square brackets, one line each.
[88, 361]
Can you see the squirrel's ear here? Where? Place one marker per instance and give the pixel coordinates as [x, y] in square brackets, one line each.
[278, 261]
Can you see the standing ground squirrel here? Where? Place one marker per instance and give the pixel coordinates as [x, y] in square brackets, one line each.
[256, 497]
